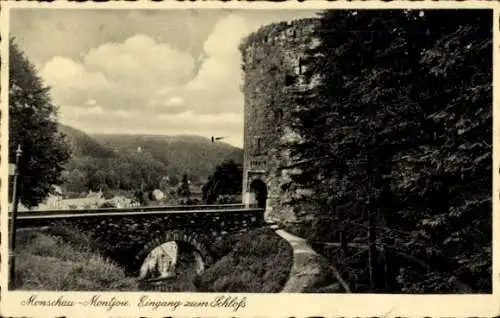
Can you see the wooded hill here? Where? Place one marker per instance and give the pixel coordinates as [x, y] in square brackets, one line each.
[82, 145]
[195, 155]
[114, 162]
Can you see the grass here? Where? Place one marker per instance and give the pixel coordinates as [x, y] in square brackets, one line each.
[259, 262]
[61, 259]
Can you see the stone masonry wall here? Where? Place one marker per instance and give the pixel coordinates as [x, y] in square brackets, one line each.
[272, 64]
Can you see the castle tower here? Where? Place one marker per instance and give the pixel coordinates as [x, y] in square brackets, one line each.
[273, 66]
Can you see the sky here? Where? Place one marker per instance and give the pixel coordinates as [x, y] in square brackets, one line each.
[171, 72]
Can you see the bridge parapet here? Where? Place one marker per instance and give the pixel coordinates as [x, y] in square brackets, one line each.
[165, 208]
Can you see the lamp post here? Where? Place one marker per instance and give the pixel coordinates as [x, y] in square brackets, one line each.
[12, 241]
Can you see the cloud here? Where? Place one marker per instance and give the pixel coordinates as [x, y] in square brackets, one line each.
[33, 28]
[120, 75]
[71, 82]
[223, 61]
[91, 102]
[157, 77]
[142, 60]
[134, 71]
[226, 36]
[152, 87]
[174, 101]
[219, 78]
[74, 113]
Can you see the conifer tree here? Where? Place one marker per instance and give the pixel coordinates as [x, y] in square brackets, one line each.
[399, 131]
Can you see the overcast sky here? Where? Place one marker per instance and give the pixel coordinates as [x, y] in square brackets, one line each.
[152, 71]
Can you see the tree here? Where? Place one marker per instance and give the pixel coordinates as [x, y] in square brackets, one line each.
[173, 180]
[75, 181]
[33, 126]
[183, 189]
[226, 180]
[399, 131]
[141, 197]
[455, 235]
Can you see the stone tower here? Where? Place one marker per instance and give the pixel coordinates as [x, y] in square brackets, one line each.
[273, 62]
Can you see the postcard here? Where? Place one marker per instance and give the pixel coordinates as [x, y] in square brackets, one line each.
[231, 159]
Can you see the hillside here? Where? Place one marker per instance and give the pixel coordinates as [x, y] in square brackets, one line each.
[83, 145]
[194, 155]
[171, 155]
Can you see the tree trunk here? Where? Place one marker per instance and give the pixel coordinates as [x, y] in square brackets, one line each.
[386, 205]
[372, 252]
[377, 279]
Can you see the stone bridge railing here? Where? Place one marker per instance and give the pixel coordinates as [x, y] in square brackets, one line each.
[128, 235]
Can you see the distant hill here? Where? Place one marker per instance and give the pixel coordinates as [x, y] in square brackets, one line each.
[194, 155]
[83, 145]
[113, 158]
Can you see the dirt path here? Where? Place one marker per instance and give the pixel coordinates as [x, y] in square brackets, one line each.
[309, 272]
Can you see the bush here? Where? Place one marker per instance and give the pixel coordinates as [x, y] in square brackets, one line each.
[228, 199]
[48, 262]
[107, 204]
[71, 235]
[259, 262]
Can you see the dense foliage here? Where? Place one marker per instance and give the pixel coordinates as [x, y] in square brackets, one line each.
[227, 179]
[184, 190]
[195, 155]
[399, 131]
[115, 163]
[125, 171]
[33, 126]
[258, 261]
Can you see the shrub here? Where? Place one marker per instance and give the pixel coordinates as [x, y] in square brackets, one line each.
[48, 262]
[259, 262]
[68, 234]
[107, 204]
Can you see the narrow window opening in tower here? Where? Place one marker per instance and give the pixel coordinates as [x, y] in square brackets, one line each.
[258, 145]
[278, 115]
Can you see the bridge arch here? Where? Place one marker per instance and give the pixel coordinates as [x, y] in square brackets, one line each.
[184, 237]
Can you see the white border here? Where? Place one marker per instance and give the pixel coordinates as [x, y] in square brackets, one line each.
[257, 305]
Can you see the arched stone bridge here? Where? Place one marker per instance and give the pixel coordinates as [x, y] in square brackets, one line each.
[128, 235]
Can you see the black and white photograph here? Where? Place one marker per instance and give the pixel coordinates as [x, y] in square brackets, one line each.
[231, 150]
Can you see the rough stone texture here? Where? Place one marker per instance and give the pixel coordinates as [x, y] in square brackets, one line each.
[128, 239]
[273, 67]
